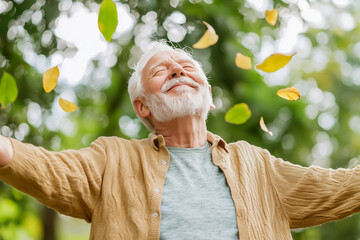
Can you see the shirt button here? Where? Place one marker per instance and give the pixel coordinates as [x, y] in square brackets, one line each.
[155, 214]
[163, 162]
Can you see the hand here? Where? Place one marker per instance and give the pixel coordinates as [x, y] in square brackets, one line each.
[6, 151]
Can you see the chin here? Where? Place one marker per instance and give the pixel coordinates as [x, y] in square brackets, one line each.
[182, 102]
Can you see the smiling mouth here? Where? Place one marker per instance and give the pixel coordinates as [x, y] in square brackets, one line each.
[180, 84]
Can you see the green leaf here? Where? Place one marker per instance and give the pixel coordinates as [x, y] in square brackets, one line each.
[238, 114]
[8, 90]
[108, 19]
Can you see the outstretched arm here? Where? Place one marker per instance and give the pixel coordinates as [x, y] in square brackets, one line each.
[6, 151]
[313, 195]
[68, 181]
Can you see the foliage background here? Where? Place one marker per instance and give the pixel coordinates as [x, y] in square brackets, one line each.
[322, 128]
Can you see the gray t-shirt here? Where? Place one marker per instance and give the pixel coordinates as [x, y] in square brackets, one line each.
[196, 201]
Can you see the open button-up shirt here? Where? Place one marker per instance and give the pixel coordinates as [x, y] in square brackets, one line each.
[116, 184]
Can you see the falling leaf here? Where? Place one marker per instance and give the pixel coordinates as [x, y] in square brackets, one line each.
[274, 62]
[66, 105]
[108, 19]
[208, 39]
[263, 127]
[238, 114]
[271, 16]
[8, 90]
[243, 61]
[50, 78]
[289, 93]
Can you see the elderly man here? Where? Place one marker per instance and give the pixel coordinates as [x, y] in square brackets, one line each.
[182, 182]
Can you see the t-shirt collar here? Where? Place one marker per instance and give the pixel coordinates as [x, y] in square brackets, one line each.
[158, 141]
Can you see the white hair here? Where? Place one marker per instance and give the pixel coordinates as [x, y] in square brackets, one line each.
[135, 84]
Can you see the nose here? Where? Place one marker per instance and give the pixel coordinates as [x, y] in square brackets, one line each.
[177, 71]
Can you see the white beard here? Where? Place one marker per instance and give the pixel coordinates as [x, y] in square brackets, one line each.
[186, 102]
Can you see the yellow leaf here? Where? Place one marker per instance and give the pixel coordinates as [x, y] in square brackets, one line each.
[66, 105]
[50, 78]
[289, 93]
[271, 16]
[263, 126]
[208, 39]
[243, 61]
[274, 62]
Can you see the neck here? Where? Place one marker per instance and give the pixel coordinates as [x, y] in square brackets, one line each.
[184, 132]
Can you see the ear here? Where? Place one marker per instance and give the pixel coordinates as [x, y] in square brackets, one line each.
[140, 108]
[212, 106]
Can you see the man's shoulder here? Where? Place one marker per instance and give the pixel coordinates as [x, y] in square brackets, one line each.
[115, 141]
[240, 144]
[246, 147]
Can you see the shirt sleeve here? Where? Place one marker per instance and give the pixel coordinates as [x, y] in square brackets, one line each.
[68, 181]
[313, 195]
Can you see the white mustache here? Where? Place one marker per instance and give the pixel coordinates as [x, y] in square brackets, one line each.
[172, 82]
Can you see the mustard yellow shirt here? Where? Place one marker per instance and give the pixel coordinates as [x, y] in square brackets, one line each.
[116, 184]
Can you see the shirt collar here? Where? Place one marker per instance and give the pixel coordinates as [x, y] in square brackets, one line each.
[158, 141]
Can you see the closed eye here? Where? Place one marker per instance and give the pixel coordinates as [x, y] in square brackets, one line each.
[158, 72]
[188, 67]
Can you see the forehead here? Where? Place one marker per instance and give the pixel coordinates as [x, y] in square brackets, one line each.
[164, 57]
